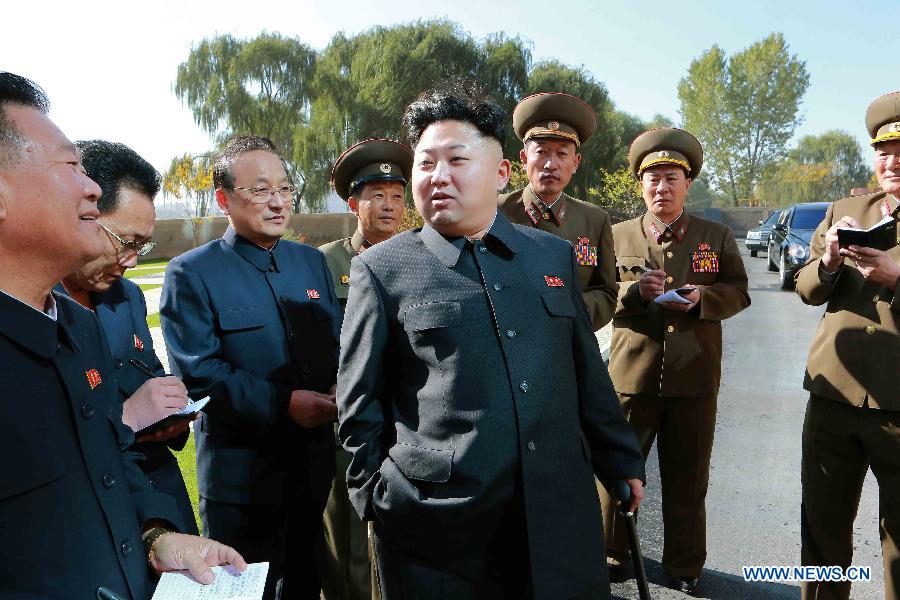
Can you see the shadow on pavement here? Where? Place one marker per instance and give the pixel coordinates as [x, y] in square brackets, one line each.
[714, 585]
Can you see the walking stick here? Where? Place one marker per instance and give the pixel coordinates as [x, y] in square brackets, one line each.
[623, 493]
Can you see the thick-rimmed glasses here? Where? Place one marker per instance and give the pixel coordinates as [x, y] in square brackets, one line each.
[260, 194]
[139, 248]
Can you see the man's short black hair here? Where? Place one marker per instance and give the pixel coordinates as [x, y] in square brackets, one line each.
[223, 177]
[114, 166]
[460, 100]
[15, 89]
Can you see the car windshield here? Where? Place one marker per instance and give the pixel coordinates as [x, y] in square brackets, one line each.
[773, 218]
[807, 218]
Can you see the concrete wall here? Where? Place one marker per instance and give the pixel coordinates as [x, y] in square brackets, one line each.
[177, 236]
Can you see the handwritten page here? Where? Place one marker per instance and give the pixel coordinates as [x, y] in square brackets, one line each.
[229, 585]
[673, 296]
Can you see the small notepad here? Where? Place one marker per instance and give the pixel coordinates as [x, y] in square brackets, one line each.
[229, 585]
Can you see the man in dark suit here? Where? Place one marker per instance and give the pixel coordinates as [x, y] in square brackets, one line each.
[128, 184]
[476, 466]
[252, 321]
[73, 512]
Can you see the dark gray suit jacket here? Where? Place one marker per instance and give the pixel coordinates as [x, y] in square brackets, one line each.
[461, 366]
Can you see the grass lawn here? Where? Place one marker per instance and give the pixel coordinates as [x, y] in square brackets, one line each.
[146, 287]
[139, 272]
[188, 465]
[153, 320]
[155, 261]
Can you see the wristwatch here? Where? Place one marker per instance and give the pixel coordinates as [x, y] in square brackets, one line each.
[150, 539]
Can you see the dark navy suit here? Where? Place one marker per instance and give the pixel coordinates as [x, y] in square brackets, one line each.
[122, 311]
[478, 410]
[71, 505]
[247, 326]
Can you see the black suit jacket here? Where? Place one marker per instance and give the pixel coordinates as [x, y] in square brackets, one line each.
[463, 368]
[71, 507]
[246, 326]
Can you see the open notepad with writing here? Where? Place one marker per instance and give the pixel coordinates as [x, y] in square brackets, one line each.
[229, 585]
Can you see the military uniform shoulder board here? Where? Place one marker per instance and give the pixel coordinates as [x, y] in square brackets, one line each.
[585, 253]
[704, 260]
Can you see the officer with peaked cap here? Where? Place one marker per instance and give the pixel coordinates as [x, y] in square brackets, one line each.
[666, 357]
[371, 176]
[553, 126]
[853, 415]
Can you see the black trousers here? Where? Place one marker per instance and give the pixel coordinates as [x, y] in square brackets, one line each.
[290, 538]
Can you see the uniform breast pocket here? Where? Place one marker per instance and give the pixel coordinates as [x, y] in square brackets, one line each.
[558, 304]
[630, 267]
[32, 468]
[233, 320]
[432, 328]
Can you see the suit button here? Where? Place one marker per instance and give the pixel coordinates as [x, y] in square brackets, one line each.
[87, 411]
[482, 248]
[282, 299]
[668, 233]
[109, 480]
[670, 329]
[669, 279]
[511, 333]
[291, 335]
[531, 446]
[271, 268]
[669, 254]
[306, 369]
[497, 287]
[523, 386]
[117, 363]
[125, 548]
[870, 329]
[154, 483]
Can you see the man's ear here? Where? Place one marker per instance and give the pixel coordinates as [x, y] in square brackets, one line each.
[5, 198]
[354, 205]
[689, 182]
[577, 161]
[222, 200]
[504, 169]
[523, 156]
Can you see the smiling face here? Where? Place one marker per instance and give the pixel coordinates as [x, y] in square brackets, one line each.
[379, 208]
[132, 220]
[48, 205]
[665, 188]
[457, 173]
[887, 166]
[263, 222]
[550, 164]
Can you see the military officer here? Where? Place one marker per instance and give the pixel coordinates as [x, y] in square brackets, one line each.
[853, 415]
[553, 127]
[371, 176]
[666, 357]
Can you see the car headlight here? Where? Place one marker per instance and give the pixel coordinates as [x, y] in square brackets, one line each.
[798, 251]
[752, 235]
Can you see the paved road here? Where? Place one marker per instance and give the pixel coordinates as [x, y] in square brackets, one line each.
[753, 507]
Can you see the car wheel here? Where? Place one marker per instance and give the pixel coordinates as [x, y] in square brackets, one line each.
[771, 266]
[787, 281]
[753, 253]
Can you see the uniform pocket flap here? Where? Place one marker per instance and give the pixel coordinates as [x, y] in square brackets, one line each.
[631, 262]
[424, 464]
[433, 315]
[558, 304]
[234, 319]
[30, 470]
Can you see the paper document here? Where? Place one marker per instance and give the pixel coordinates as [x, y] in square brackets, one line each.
[674, 296]
[229, 585]
[187, 412]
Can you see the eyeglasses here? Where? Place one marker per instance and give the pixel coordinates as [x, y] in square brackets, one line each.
[261, 194]
[139, 248]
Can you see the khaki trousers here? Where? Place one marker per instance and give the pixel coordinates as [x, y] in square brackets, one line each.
[348, 569]
[684, 429]
[840, 443]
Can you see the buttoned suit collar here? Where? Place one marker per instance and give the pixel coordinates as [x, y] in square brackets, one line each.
[652, 230]
[259, 257]
[448, 249]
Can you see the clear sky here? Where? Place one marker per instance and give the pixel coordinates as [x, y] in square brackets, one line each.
[109, 66]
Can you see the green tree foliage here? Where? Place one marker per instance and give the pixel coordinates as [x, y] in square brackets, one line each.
[189, 178]
[619, 192]
[820, 168]
[744, 110]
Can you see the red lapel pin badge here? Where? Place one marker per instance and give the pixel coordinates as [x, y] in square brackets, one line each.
[553, 281]
[93, 378]
[312, 294]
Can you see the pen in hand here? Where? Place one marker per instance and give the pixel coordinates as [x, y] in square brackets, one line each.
[142, 367]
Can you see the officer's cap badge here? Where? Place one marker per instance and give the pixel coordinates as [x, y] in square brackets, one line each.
[385, 168]
[553, 125]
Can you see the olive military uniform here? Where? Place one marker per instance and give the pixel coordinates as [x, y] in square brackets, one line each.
[853, 416]
[666, 365]
[349, 572]
[586, 226]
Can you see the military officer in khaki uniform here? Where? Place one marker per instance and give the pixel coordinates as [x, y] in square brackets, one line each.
[853, 415]
[553, 126]
[371, 176]
[666, 357]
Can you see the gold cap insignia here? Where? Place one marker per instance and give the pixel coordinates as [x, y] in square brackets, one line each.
[553, 125]
[385, 168]
[662, 154]
[894, 128]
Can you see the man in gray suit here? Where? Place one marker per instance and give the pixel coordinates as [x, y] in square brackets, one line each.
[471, 392]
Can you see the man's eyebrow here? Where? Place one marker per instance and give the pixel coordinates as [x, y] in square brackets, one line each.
[448, 148]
